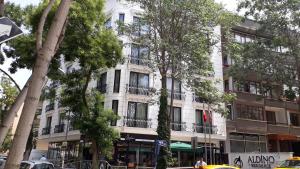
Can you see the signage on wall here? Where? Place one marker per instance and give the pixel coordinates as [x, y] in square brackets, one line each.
[257, 160]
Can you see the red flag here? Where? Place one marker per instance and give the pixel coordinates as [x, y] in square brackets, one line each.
[204, 116]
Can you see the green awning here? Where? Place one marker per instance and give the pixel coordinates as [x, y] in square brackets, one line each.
[180, 146]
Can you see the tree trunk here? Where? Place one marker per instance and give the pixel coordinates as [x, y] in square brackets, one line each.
[95, 160]
[163, 128]
[2, 8]
[11, 114]
[29, 145]
[34, 91]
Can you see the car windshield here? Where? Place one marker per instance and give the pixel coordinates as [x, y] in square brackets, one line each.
[290, 163]
[24, 166]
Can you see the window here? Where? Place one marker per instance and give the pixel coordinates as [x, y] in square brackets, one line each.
[199, 117]
[121, 22]
[177, 88]
[137, 114]
[295, 119]
[115, 105]
[49, 121]
[243, 38]
[271, 117]
[139, 83]
[62, 117]
[247, 142]
[137, 26]
[176, 123]
[226, 85]
[101, 86]
[117, 81]
[139, 55]
[249, 112]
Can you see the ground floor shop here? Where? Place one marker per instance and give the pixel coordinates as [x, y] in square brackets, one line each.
[244, 142]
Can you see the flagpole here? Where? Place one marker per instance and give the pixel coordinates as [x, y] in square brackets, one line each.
[210, 130]
[204, 120]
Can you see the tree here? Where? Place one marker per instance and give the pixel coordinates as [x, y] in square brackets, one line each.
[8, 93]
[274, 55]
[96, 49]
[45, 52]
[180, 35]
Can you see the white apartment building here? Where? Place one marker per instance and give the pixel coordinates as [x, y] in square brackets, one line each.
[127, 89]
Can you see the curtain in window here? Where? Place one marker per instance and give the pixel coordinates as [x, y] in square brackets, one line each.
[141, 111]
[199, 117]
[133, 79]
[143, 80]
[134, 51]
[176, 115]
[131, 110]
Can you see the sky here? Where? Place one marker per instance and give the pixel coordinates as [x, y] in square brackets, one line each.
[22, 75]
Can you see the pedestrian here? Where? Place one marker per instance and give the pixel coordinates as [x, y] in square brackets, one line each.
[200, 163]
[43, 158]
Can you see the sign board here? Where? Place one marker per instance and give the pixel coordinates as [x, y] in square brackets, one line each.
[8, 29]
[194, 142]
[257, 160]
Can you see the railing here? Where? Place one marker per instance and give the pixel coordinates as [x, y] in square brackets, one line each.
[139, 61]
[178, 126]
[277, 123]
[59, 128]
[49, 107]
[101, 87]
[205, 129]
[130, 122]
[177, 95]
[138, 90]
[46, 130]
[35, 133]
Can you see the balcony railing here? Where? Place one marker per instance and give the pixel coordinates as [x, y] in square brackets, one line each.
[139, 61]
[101, 88]
[49, 107]
[178, 126]
[138, 90]
[205, 129]
[177, 95]
[59, 128]
[46, 130]
[131, 122]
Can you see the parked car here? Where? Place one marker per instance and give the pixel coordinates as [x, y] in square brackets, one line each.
[293, 162]
[2, 163]
[41, 164]
[31, 164]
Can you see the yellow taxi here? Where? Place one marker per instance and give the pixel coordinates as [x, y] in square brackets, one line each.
[290, 163]
[219, 167]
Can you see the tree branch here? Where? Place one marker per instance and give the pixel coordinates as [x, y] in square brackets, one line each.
[62, 35]
[39, 33]
[88, 78]
[8, 75]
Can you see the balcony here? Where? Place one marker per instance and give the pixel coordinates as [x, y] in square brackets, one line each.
[49, 107]
[59, 128]
[274, 103]
[178, 126]
[205, 129]
[46, 130]
[131, 122]
[138, 90]
[101, 87]
[139, 61]
[278, 128]
[250, 125]
[248, 97]
[176, 95]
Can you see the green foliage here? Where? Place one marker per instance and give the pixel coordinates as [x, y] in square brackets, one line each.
[6, 143]
[275, 54]
[8, 93]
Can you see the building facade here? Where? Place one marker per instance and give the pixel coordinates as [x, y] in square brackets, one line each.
[262, 119]
[128, 90]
